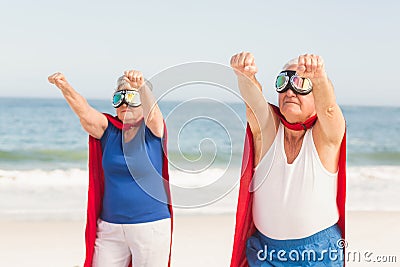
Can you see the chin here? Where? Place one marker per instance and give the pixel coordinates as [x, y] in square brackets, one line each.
[291, 113]
[125, 116]
[128, 118]
[291, 108]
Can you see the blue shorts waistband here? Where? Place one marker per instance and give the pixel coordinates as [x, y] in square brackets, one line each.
[290, 243]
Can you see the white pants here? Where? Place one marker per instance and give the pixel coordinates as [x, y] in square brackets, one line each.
[146, 244]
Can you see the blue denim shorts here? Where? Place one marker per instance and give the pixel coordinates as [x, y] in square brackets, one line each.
[320, 249]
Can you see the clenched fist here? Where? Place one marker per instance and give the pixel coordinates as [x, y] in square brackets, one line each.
[244, 64]
[58, 79]
[135, 78]
[311, 66]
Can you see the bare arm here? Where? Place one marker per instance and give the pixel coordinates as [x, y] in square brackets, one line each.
[330, 117]
[330, 126]
[91, 120]
[258, 112]
[151, 112]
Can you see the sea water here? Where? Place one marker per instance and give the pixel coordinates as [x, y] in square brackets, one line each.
[43, 156]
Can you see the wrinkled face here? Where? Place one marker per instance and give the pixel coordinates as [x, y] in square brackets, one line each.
[295, 107]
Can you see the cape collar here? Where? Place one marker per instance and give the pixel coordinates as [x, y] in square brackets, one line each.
[120, 125]
[303, 126]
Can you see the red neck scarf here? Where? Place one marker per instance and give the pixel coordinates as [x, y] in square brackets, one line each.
[96, 189]
[295, 126]
[244, 215]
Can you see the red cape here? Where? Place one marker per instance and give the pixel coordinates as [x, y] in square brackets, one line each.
[96, 189]
[244, 216]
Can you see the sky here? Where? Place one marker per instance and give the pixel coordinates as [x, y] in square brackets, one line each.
[93, 42]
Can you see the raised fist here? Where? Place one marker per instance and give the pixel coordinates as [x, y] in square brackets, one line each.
[58, 79]
[311, 66]
[135, 78]
[244, 64]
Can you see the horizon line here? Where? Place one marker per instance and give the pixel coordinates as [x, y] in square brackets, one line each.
[179, 100]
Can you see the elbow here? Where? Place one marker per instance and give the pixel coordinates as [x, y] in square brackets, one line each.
[331, 111]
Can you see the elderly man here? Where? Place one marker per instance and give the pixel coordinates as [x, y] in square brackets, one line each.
[292, 194]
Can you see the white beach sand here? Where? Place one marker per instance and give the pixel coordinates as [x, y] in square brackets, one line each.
[199, 240]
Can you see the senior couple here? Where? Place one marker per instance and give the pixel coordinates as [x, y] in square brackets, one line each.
[292, 188]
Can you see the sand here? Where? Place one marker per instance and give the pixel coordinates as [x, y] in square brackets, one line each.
[199, 240]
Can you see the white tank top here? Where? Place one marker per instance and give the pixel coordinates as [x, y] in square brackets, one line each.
[293, 200]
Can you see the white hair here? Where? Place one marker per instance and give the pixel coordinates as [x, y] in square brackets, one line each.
[293, 61]
[123, 84]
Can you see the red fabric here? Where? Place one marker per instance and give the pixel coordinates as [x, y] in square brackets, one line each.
[244, 216]
[295, 126]
[96, 189]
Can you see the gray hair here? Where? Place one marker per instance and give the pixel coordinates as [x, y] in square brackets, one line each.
[293, 61]
[123, 84]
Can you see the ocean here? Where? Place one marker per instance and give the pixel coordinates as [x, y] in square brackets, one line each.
[43, 156]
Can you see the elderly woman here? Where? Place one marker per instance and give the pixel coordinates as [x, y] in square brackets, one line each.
[292, 194]
[129, 219]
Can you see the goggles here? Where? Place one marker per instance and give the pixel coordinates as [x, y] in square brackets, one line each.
[129, 97]
[288, 79]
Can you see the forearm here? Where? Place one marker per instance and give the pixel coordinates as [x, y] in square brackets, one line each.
[328, 111]
[151, 110]
[257, 111]
[324, 95]
[250, 90]
[91, 120]
[263, 129]
[330, 117]
[77, 102]
[325, 100]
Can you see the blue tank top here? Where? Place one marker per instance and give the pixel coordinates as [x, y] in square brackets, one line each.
[134, 192]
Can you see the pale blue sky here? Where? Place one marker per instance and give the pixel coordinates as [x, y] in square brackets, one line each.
[92, 42]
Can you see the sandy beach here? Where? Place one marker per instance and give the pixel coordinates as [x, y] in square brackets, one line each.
[199, 240]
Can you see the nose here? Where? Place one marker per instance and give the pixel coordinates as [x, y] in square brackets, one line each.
[290, 93]
[123, 105]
